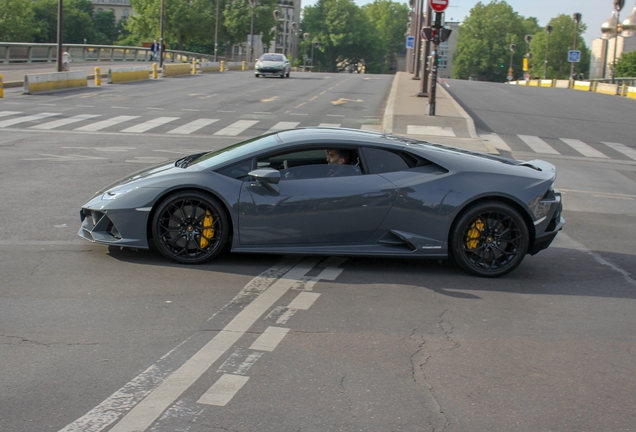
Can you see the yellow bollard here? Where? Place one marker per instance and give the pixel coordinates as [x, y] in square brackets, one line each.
[243, 65]
[1, 88]
[222, 67]
[154, 71]
[98, 77]
[194, 67]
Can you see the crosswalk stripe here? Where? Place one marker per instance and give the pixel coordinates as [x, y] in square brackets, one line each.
[283, 125]
[150, 124]
[193, 126]
[93, 127]
[430, 130]
[8, 113]
[236, 127]
[622, 148]
[25, 119]
[537, 144]
[333, 125]
[62, 122]
[584, 149]
[496, 141]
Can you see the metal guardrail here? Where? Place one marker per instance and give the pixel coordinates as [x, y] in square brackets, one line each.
[16, 52]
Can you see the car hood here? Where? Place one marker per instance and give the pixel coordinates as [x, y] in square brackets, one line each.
[144, 177]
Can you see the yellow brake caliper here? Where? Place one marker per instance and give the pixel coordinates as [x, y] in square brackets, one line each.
[208, 231]
[474, 233]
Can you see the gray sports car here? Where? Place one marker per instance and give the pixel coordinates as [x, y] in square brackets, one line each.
[380, 195]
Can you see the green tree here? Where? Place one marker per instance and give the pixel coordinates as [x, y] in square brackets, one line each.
[483, 45]
[344, 32]
[561, 41]
[106, 31]
[17, 23]
[389, 19]
[236, 21]
[78, 21]
[626, 65]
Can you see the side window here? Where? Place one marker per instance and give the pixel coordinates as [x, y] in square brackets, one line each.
[308, 164]
[238, 170]
[381, 161]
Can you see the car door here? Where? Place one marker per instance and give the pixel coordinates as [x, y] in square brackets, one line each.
[310, 205]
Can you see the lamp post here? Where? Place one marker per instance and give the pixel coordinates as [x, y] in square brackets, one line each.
[306, 37]
[294, 32]
[60, 32]
[526, 69]
[548, 30]
[314, 45]
[216, 34]
[513, 47]
[612, 29]
[577, 19]
[276, 18]
[161, 33]
[252, 5]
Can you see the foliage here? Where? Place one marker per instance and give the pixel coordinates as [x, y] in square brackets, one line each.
[344, 33]
[106, 31]
[626, 65]
[17, 23]
[483, 46]
[388, 18]
[78, 21]
[561, 40]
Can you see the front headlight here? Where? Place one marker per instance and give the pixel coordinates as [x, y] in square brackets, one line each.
[112, 194]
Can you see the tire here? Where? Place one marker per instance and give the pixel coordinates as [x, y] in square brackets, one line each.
[490, 239]
[190, 227]
[287, 75]
[256, 75]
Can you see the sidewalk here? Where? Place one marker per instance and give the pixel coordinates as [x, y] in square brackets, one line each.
[407, 115]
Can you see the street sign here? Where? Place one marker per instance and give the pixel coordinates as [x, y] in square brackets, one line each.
[574, 56]
[439, 5]
[410, 42]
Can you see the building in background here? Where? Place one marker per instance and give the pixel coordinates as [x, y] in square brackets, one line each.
[447, 51]
[121, 8]
[602, 55]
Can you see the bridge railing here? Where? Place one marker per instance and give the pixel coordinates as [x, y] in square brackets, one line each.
[17, 52]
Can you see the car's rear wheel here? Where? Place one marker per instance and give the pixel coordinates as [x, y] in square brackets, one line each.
[256, 75]
[490, 239]
[190, 227]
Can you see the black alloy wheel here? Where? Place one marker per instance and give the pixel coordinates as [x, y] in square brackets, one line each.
[190, 227]
[490, 239]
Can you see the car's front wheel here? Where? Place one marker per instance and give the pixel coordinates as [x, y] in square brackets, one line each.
[256, 75]
[190, 227]
[490, 239]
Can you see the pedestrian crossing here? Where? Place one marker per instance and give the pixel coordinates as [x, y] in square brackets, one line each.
[137, 124]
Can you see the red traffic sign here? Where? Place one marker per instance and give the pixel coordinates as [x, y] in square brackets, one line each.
[439, 5]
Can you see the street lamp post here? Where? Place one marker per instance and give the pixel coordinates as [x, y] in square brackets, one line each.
[216, 34]
[294, 32]
[306, 37]
[313, 45]
[526, 69]
[276, 18]
[548, 30]
[577, 19]
[161, 53]
[510, 70]
[252, 5]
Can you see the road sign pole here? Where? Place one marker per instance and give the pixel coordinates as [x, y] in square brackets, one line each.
[433, 85]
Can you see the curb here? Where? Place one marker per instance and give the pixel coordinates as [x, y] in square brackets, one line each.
[387, 120]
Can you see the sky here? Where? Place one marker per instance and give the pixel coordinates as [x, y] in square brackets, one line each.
[594, 12]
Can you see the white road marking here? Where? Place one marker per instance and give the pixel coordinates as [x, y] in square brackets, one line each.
[223, 390]
[334, 125]
[537, 144]
[188, 128]
[237, 127]
[430, 130]
[24, 119]
[270, 338]
[622, 148]
[148, 410]
[63, 122]
[8, 113]
[304, 300]
[240, 361]
[584, 149]
[97, 126]
[282, 126]
[496, 141]
[150, 124]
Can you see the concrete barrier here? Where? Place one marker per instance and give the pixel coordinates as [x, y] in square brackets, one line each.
[210, 67]
[126, 74]
[631, 92]
[176, 69]
[233, 66]
[37, 83]
[610, 89]
[582, 85]
[562, 84]
[545, 83]
[522, 82]
[533, 83]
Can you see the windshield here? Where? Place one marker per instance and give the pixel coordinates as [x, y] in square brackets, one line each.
[272, 57]
[236, 151]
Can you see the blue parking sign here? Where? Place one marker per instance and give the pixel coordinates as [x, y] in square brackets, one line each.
[410, 42]
[574, 56]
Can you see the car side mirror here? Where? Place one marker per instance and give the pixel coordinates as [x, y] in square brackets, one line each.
[266, 175]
